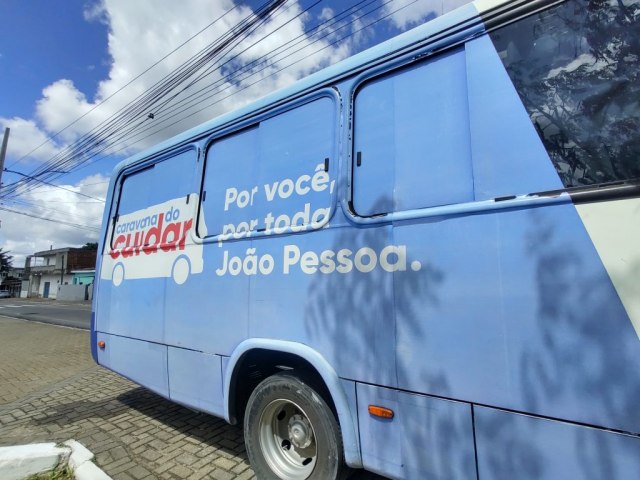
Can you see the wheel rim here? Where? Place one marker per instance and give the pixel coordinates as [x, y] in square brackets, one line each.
[288, 440]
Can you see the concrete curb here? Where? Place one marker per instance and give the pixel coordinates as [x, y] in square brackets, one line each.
[81, 464]
[21, 461]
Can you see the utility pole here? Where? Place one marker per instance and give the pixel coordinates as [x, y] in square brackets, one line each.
[3, 151]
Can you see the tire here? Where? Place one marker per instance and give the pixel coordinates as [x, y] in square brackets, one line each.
[291, 433]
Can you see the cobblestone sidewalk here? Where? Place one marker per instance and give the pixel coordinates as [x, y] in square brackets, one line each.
[50, 390]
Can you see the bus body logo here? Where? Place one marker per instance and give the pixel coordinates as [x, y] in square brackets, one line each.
[152, 243]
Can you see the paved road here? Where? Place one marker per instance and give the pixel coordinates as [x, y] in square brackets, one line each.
[50, 390]
[77, 315]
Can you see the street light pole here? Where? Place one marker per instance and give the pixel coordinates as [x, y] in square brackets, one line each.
[3, 151]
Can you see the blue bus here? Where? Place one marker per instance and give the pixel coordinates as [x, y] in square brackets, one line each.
[423, 261]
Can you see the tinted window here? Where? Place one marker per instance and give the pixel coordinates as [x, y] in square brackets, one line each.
[575, 67]
[411, 138]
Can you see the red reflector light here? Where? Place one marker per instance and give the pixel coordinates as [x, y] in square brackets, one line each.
[381, 412]
[101, 344]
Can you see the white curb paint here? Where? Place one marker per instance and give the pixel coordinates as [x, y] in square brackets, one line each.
[19, 462]
[81, 464]
[22, 461]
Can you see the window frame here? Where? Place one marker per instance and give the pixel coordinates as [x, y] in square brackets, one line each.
[360, 82]
[138, 167]
[252, 121]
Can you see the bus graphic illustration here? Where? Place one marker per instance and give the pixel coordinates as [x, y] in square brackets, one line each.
[154, 242]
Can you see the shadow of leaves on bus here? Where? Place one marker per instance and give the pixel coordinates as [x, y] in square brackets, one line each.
[353, 314]
[354, 317]
[578, 354]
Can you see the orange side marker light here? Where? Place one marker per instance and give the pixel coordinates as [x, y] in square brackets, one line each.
[381, 412]
[101, 344]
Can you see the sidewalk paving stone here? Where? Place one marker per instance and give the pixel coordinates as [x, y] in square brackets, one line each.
[50, 390]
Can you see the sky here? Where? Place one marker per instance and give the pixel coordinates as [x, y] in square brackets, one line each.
[67, 68]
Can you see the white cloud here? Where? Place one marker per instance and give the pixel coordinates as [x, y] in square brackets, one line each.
[23, 235]
[25, 136]
[61, 104]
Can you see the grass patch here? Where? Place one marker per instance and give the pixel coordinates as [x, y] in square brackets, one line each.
[60, 473]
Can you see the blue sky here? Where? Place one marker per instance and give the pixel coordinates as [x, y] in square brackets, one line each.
[59, 60]
[39, 45]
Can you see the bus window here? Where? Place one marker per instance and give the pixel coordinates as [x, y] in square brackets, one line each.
[578, 79]
[411, 138]
[274, 177]
[140, 190]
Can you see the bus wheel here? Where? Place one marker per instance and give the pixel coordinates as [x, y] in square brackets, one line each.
[291, 433]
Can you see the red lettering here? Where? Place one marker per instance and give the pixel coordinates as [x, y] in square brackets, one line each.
[156, 234]
[186, 226]
[115, 253]
[127, 251]
[172, 229]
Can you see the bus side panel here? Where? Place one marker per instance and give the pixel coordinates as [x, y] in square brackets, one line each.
[508, 156]
[519, 313]
[134, 309]
[347, 317]
[195, 380]
[527, 448]
[142, 362]
[427, 438]
[209, 313]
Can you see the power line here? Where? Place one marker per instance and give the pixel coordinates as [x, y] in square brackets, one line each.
[79, 148]
[210, 104]
[56, 186]
[41, 207]
[123, 135]
[101, 145]
[101, 102]
[62, 222]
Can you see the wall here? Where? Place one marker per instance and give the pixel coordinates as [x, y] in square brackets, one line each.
[72, 293]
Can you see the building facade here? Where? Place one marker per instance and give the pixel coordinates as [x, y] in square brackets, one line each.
[48, 270]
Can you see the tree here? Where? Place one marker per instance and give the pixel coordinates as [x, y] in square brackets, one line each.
[90, 246]
[5, 261]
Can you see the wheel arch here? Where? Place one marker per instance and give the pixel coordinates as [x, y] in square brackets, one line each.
[306, 356]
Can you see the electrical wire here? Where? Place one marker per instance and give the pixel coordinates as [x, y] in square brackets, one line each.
[75, 149]
[247, 67]
[60, 222]
[100, 145]
[101, 102]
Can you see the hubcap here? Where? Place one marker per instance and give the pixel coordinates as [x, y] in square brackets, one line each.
[287, 440]
[300, 431]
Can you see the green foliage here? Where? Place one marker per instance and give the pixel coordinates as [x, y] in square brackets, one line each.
[5, 261]
[90, 246]
[60, 473]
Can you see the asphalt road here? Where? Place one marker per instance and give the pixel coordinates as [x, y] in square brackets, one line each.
[77, 315]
